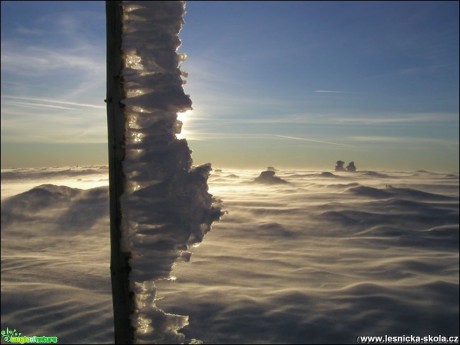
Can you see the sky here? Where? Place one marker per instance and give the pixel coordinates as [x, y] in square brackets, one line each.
[284, 84]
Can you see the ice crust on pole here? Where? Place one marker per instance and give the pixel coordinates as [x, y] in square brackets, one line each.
[166, 206]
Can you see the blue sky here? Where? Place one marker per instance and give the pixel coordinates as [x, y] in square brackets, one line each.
[286, 84]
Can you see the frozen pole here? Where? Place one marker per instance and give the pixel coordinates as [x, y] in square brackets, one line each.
[119, 267]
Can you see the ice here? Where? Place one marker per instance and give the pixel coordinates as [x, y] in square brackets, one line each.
[166, 207]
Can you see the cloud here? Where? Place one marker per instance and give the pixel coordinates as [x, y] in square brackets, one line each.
[33, 105]
[22, 30]
[34, 61]
[397, 118]
[297, 252]
[197, 136]
[311, 140]
[55, 54]
[328, 91]
[332, 119]
[53, 71]
[39, 121]
[48, 131]
[401, 140]
[45, 102]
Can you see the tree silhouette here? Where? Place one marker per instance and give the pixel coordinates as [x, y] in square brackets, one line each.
[339, 166]
[351, 167]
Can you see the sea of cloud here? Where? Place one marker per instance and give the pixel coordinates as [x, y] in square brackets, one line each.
[322, 258]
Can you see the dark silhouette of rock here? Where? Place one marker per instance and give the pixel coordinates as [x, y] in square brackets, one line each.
[339, 166]
[327, 174]
[268, 177]
[351, 167]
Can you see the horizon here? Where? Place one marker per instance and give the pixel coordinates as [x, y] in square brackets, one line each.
[256, 169]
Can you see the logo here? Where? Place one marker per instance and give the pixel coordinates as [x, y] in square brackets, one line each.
[15, 337]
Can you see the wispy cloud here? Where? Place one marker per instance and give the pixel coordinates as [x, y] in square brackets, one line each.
[22, 30]
[312, 140]
[333, 119]
[34, 105]
[401, 140]
[328, 91]
[53, 128]
[55, 54]
[33, 61]
[256, 136]
[30, 119]
[51, 103]
[53, 76]
[396, 119]
[76, 72]
[202, 136]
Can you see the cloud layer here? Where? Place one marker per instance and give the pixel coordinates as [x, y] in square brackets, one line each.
[322, 259]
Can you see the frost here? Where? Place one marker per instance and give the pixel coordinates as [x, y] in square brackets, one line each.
[166, 207]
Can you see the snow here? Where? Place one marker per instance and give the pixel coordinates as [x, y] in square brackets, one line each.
[166, 206]
[317, 260]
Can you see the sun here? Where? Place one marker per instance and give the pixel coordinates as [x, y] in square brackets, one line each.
[184, 117]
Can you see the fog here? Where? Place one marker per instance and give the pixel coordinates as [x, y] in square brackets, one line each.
[323, 258]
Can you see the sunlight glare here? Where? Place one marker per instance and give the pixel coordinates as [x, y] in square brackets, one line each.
[184, 117]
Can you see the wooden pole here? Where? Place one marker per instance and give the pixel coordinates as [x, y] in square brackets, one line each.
[119, 265]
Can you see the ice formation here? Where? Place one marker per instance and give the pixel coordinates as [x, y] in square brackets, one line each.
[166, 206]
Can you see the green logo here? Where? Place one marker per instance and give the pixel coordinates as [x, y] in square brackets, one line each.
[15, 337]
